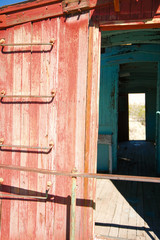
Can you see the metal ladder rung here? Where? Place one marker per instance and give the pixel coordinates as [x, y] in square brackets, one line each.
[4, 95]
[3, 44]
[23, 146]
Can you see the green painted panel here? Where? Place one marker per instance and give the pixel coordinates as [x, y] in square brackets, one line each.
[115, 38]
[103, 160]
[141, 63]
[158, 122]
[133, 53]
[151, 115]
[108, 117]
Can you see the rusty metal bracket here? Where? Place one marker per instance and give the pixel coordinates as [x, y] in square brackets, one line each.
[24, 147]
[74, 6]
[4, 95]
[3, 44]
[49, 184]
[116, 6]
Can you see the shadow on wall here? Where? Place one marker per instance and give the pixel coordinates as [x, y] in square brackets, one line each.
[51, 198]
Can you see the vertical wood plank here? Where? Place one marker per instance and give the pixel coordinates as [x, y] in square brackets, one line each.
[70, 105]
[25, 89]
[136, 9]
[52, 74]
[91, 129]
[64, 104]
[6, 79]
[125, 10]
[33, 126]
[116, 6]
[147, 8]
[43, 128]
[16, 132]
[80, 119]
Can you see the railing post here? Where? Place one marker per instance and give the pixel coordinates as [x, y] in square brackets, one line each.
[73, 207]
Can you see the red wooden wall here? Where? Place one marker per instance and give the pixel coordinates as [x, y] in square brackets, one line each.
[138, 12]
[37, 71]
[71, 67]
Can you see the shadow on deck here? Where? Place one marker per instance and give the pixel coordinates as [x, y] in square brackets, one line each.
[130, 210]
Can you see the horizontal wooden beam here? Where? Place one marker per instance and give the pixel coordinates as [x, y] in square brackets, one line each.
[42, 9]
[33, 14]
[122, 26]
[26, 5]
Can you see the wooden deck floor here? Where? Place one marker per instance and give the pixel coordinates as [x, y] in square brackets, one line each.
[130, 210]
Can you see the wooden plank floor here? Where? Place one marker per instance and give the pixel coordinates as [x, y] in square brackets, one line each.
[130, 210]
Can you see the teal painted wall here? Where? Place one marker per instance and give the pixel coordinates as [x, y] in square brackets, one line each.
[151, 116]
[108, 113]
[158, 122]
[140, 60]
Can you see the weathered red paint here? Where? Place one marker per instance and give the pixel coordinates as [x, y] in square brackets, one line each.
[71, 67]
[91, 124]
[130, 11]
[38, 71]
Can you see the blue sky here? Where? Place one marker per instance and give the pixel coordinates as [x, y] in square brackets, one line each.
[8, 2]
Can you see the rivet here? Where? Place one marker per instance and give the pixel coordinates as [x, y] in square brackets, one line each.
[49, 184]
[53, 92]
[1, 140]
[51, 144]
[1, 180]
[52, 40]
[2, 92]
[2, 41]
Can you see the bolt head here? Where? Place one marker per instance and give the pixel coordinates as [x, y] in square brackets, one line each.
[3, 92]
[2, 41]
[52, 40]
[51, 144]
[1, 140]
[49, 184]
[53, 92]
[1, 180]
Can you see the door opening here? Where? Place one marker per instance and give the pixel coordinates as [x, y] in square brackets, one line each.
[123, 72]
[137, 119]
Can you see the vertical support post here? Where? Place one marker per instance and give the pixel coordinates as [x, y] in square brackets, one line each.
[116, 6]
[110, 158]
[91, 126]
[158, 123]
[73, 207]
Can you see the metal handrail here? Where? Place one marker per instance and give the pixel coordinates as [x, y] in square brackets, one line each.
[74, 174]
[84, 175]
[4, 95]
[24, 146]
[3, 44]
